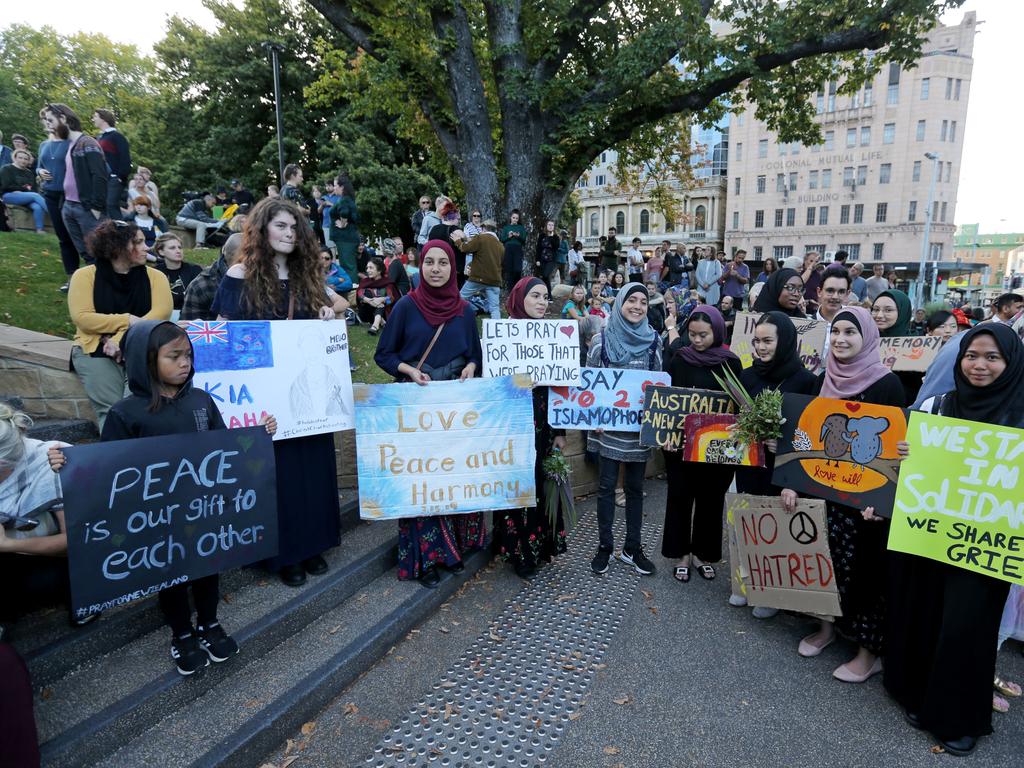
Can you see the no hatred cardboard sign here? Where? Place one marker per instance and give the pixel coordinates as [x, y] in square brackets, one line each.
[662, 423]
[547, 350]
[960, 498]
[810, 338]
[840, 450]
[782, 558]
[451, 447]
[607, 398]
[297, 370]
[147, 514]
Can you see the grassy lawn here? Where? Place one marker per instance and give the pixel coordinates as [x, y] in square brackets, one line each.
[31, 273]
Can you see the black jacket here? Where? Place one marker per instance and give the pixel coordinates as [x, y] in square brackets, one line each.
[191, 410]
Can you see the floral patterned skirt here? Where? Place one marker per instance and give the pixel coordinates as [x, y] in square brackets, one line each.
[524, 536]
[860, 560]
[424, 542]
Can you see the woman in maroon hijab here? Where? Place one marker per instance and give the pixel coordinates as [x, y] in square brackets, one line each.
[431, 336]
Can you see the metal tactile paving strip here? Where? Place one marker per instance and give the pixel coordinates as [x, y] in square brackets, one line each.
[509, 697]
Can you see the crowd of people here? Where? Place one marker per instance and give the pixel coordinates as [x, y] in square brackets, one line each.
[913, 620]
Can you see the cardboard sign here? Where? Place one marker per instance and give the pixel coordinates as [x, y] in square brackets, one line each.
[547, 350]
[840, 450]
[783, 558]
[960, 498]
[810, 339]
[910, 353]
[143, 515]
[662, 422]
[451, 447]
[709, 441]
[296, 370]
[607, 398]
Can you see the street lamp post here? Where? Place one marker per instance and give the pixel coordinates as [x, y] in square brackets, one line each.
[275, 50]
[926, 245]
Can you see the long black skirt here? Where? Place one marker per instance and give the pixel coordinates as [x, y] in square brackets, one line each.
[941, 644]
[308, 513]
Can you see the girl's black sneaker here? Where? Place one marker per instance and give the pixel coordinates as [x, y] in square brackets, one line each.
[216, 642]
[187, 654]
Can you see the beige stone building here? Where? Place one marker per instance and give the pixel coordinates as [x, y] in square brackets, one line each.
[865, 189]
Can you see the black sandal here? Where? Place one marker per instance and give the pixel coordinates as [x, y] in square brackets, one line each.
[681, 573]
[707, 571]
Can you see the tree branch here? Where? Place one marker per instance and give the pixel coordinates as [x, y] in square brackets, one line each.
[576, 20]
[341, 16]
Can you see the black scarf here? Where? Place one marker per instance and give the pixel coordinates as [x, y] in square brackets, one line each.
[1002, 401]
[116, 294]
[786, 361]
[768, 298]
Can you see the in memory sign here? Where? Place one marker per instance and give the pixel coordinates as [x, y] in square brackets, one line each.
[607, 398]
[546, 350]
[143, 515]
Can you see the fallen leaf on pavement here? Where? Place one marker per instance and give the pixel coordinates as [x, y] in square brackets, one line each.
[447, 684]
[350, 709]
[600, 666]
[611, 750]
[334, 630]
[443, 630]
[307, 728]
[575, 715]
[495, 636]
[653, 609]
[563, 598]
[288, 761]
[627, 699]
[647, 595]
[227, 598]
[46, 693]
[937, 750]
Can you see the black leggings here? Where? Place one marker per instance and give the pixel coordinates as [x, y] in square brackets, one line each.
[693, 509]
[177, 611]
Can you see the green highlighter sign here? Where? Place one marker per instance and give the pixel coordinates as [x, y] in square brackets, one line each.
[960, 496]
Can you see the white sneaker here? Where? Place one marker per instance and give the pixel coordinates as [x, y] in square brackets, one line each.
[737, 600]
[763, 612]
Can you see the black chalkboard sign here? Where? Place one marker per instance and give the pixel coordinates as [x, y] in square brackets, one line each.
[663, 422]
[143, 515]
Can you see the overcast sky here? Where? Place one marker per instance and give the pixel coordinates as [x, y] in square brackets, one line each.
[993, 163]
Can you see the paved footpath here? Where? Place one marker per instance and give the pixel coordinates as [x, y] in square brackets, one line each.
[576, 670]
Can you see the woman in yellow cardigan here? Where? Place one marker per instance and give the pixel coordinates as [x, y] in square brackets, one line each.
[104, 299]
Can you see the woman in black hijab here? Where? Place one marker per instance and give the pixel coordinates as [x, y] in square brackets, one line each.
[944, 620]
[777, 365]
[782, 293]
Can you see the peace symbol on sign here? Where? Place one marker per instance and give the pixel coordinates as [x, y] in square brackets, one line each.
[802, 528]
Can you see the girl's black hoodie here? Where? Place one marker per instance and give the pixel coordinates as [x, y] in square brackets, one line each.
[191, 410]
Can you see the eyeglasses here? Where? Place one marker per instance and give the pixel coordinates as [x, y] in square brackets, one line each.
[793, 287]
[476, 215]
[835, 291]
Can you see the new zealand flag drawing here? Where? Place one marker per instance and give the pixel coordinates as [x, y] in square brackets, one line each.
[230, 346]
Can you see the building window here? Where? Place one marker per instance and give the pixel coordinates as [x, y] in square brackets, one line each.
[823, 215]
[830, 140]
[949, 88]
[851, 137]
[935, 211]
[790, 217]
[826, 178]
[858, 213]
[762, 148]
[892, 95]
[620, 222]
[810, 216]
[949, 170]
[881, 210]
[735, 219]
[794, 148]
[942, 215]
[599, 180]
[851, 248]
[700, 218]
[884, 173]
[782, 148]
[819, 102]
[780, 182]
[869, 95]
[876, 249]
[645, 222]
[604, 157]
[889, 133]
[818, 248]
[812, 180]
[739, 150]
[832, 97]
[780, 252]
[848, 176]
[920, 130]
[736, 185]
[865, 135]
[944, 131]
[855, 100]
[762, 183]
[593, 225]
[740, 119]
[915, 175]
[952, 131]
[758, 219]
[936, 252]
[862, 175]
[925, 87]
[778, 217]
[792, 182]
[844, 214]
[912, 213]
[956, 96]
[758, 250]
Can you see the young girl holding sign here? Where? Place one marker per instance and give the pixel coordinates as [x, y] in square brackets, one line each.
[696, 491]
[944, 620]
[158, 361]
[627, 341]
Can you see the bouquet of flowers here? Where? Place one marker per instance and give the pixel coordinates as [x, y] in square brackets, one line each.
[558, 489]
[760, 417]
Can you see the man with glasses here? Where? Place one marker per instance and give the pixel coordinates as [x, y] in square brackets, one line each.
[832, 293]
[417, 217]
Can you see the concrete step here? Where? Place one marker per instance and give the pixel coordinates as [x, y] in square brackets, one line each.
[53, 649]
[245, 715]
[96, 707]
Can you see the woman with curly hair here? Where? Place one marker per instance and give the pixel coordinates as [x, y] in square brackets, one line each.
[278, 277]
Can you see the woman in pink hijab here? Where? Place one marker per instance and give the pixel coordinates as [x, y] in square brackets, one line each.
[854, 371]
